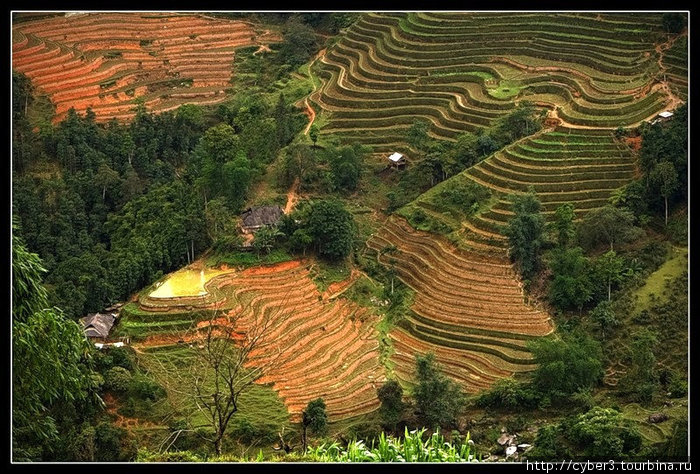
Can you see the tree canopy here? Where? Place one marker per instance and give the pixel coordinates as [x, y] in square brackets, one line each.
[525, 233]
[438, 399]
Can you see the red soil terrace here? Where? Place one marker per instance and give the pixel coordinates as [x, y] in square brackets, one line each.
[105, 61]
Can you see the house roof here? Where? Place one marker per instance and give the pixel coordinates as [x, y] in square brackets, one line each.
[98, 324]
[395, 157]
[261, 215]
[665, 114]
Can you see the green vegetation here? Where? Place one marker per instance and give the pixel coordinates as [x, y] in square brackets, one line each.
[573, 354]
[412, 448]
[438, 399]
[391, 411]
[526, 233]
[52, 364]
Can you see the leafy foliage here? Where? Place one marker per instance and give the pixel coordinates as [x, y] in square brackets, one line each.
[603, 434]
[52, 364]
[439, 400]
[565, 366]
[314, 416]
[392, 406]
[332, 228]
[412, 448]
[609, 225]
[525, 233]
[571, 286]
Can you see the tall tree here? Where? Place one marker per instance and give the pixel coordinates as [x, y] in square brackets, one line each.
[333, 229]
[664, 177]
[218, 374]
[571, 285]
[610, 268]
[314, 417]
[438, 399]
[608, 224]
[51, 358]
[392, 406]
[525, 233]
[567, 365]
[563, 224]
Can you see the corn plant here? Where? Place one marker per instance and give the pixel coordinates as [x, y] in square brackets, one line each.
[411, 448]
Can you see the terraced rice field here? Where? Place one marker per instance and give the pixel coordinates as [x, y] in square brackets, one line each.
[186, 282]
[106, 61]
[468, 309]
[463, 71]
[675, 60]
[309, 347]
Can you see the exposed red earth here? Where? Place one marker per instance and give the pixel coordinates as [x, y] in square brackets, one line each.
[106, 61]
[311, 347]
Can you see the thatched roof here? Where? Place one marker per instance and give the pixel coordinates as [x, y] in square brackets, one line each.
[257, 217]
[98, 324]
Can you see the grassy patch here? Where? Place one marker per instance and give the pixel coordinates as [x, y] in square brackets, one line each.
[325, 273]
[40, 111]
[249, 259]
[655, 432]
[259, 404]
[656, 282]
[505, 90]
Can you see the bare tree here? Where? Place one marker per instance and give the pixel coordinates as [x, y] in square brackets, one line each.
[219, 371]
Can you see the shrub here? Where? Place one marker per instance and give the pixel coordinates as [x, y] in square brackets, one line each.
[117, 379]
[369, 432]
[602, 433]
[122, 357]
[510, 394]
[146, 389]
[391, 396]
[678, 387]
[249, 433]
[113, 443]
[439, 399]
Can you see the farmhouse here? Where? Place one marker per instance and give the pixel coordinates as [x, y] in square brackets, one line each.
[662, 117]
[98, 325]
[397, 159]
[255, 218]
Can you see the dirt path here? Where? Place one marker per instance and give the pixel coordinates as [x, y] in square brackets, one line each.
[660, 48]
[339, 287]
[309, 113]
[292, 196]
[121, 420]
[262, 48]
[308, 110]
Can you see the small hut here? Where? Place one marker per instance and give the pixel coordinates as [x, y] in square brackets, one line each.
[397, 160]
[255, 218]
[98, 325]
[662, 117]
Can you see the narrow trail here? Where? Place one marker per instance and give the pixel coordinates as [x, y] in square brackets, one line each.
[309, 113]
[262, 48]
[292, 196]
[660, 48]
[308, 110]
[338, 288]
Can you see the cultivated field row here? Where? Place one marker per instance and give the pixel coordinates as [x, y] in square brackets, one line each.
[307, 347]
[463, 72]
[469, 309]
[106, 61]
